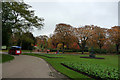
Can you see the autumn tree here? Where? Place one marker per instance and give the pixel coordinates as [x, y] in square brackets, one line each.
[42, 42]
[63, 33]
[114, 36]
[55, 40]
[50, 45]
[83, 34]
[109, 46]
[99, 36]
[59, 46]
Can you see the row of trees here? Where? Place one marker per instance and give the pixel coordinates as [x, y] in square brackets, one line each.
[25, 40]
[18, 20]
[86, 36]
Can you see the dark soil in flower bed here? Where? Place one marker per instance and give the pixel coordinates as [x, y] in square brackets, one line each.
[92, 58]
[91, 76]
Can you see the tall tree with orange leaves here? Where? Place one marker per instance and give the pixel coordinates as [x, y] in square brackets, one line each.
[99, 36]
[63, 33]
[55, 40]
[114, 36]
[83, 34]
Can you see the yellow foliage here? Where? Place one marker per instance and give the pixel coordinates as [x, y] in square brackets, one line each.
[59, 45]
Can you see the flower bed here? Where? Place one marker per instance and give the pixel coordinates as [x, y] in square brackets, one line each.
[93, 70]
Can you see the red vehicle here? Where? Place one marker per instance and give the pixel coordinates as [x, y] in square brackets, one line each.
[15, 50]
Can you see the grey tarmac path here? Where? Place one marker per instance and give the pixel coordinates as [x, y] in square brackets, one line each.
[24, 66]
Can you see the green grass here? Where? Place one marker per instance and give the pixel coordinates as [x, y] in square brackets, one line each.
[110, 60]
[5, 58]
[26, 50]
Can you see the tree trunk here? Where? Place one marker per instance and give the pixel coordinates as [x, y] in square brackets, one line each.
[67, 46]
[83, 46]
[100, 48]
[117, 48]
[56, 45]
[21, 43]
[63, 48]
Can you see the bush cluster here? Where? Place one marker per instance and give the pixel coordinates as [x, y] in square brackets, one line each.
[98, 51]
[67, 50]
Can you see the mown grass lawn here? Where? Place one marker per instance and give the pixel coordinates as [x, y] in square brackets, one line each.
[110, 60]
[5, 58]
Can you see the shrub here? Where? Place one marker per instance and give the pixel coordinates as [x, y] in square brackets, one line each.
[72, 50]
[99, 51]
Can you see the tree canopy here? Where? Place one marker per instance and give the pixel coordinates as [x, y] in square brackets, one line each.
[63, 34]
[17, 17]
[114, 36]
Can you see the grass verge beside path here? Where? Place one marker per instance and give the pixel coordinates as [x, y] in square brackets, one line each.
[110, 60]
[5, 58]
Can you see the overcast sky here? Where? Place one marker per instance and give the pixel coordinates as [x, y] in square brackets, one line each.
[103, 14]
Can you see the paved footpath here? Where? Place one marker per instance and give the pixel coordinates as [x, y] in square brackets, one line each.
[24, 66]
